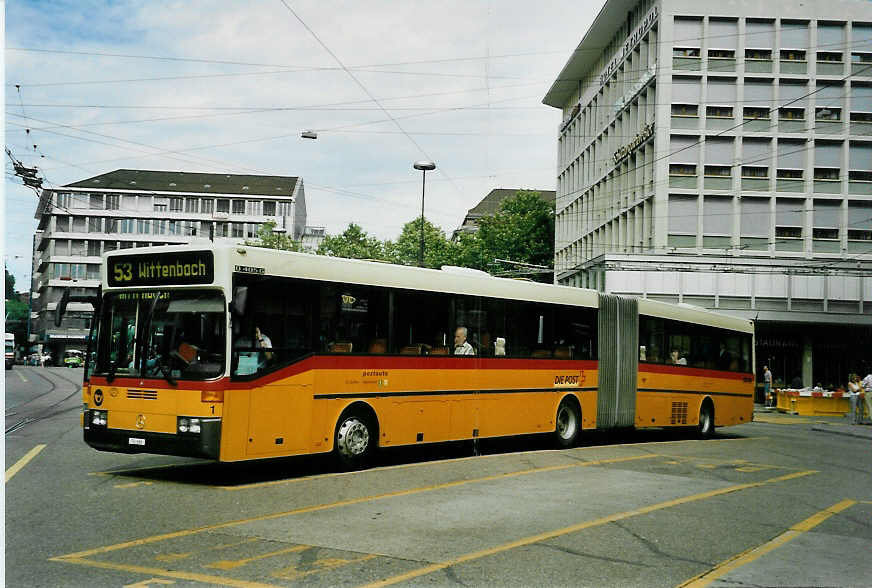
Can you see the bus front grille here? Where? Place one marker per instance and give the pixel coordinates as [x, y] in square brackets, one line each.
[142, 394]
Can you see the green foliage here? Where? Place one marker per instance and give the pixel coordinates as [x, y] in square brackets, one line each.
[15, 310]
[353, 243]
[10, 285]
[267, 238]
[438, 250]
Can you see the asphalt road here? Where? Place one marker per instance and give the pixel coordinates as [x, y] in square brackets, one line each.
[776, 502]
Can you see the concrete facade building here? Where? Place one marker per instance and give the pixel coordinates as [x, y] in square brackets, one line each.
[720, 154]
[139, 208]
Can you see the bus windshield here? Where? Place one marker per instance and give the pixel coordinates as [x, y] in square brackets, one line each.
[162, 333]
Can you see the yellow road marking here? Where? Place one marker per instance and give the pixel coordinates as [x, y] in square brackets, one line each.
[24, 461]
[750, 555]
[230, 564]
[149, 582]
[351, 501]
[133, 484]
[179, 575]
[321, 565]
[578, 527]
[173, 556]
[18, 372]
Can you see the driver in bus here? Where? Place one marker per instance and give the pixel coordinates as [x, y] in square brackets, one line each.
[461, 345]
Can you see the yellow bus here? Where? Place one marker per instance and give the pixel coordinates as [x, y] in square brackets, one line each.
[238, 353]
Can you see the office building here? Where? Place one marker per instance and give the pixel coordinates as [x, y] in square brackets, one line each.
[720, 154]
[140, 208]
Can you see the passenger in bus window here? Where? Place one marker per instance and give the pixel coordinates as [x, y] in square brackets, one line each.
[461, 345]
[250, 361]
[676, 359]
[263, 342]
[500, 346]
[724, 358]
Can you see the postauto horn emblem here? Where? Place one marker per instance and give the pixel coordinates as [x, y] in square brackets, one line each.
[140, 421]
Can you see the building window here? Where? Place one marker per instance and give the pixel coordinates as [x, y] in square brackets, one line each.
[755, 113]
[719, 111]
[791, 114]
[864, 117]
[95, 202]
[685, 51]
[789, 174]
[176, 204]
[113, 201]
[207, 205]
[788, 232]
[828, 113]
[95, 225]
[192, 205]
[127, 244]
[238, 229]
[174, 227]
[830, 56]
[749, 171]
[860, 176]
[269, 207]
[832, 234]
[160, 227]
[762, 54]
[223, 205]
[721, 54]
[93, 248]
[685, 110]
[682, 169]
[717, 171]
[861, 58]
[221, 230]
[64, 200]
[251, 230]
[826, 173]
[160, 207]
[792, 55]
[143, 226]
[126, 225]
[239, 207]
[859, 235]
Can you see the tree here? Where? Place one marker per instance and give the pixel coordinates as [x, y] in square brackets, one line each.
[10, 285]
[353, 243]
[438, 250]
[522, 231]
[267, 238]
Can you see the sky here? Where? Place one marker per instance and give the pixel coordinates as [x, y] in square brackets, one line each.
[228, 86]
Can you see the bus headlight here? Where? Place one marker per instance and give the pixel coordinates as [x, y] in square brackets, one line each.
[99, 418]
[189, 425]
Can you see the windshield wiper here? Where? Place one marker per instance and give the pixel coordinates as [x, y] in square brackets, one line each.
[166, 372]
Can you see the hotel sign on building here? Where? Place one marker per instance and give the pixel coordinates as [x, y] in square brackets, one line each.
[629, 44]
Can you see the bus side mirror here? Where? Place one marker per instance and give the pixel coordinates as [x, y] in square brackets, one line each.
[61, 308]
[237, 305]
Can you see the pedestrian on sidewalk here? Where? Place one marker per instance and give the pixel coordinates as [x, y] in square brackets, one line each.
[866, 383]
[767, 386]
[854, 396]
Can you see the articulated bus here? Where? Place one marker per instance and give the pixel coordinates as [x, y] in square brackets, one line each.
[237, 353]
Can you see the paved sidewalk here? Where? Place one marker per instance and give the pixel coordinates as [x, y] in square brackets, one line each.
[824, 424]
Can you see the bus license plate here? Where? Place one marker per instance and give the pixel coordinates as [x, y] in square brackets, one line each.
[135, 441]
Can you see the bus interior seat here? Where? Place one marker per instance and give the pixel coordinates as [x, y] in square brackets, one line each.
[341, 347]
[541, 353]
[563, 352]
[378, 346]
[411, 350]
[439, 351]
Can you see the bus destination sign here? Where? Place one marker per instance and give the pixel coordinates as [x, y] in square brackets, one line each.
[159, 269]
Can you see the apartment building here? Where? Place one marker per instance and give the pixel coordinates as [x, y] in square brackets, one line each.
[141, 208]
[720, 154]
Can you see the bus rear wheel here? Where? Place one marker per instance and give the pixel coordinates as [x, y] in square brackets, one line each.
[355, 439]
[706, 427]
[568, 423]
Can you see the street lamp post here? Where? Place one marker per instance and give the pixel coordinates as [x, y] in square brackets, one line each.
[424, 166]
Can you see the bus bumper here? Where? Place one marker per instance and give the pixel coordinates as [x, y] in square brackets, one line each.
[206, 444]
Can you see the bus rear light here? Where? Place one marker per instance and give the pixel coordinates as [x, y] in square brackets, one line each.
[212, 396]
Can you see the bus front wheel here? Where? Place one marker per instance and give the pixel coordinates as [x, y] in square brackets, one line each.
[706, 427]
[568, 423]
[355, 439]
